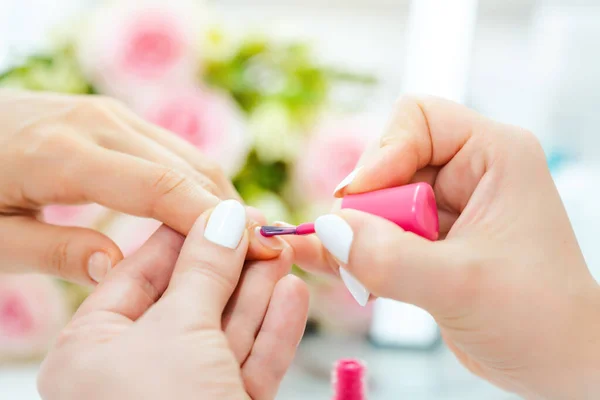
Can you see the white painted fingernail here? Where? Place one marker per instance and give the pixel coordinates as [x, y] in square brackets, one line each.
[358, 291]
[99, 264]
[347, 180]
[226, 224]
[336, 235]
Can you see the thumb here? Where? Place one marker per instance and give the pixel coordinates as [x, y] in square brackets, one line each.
[378, 257]
[76, 254]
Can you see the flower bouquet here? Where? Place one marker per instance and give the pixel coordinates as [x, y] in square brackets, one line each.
[264, 110]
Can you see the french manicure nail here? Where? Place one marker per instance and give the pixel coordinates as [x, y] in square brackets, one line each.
[358, 291]
[336, 235]
[273, 243]
[226, 224]
[347, 180]
[99, 264]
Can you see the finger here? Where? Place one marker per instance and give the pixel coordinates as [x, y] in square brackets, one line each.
[422, 132]
[378, 257]
[309, 252]
[254, 214]
[141, 146]
[120, 181]
[138, 281]
[246, 309]
[75, 254]
[278, 339]
[310, 255]
[130, 185]
[262, 248]
[183, 149]
[208, 269]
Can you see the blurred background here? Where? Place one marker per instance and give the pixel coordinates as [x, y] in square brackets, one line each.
[254, 83]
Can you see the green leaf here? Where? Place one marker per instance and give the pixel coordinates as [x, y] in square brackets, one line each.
[56, 72]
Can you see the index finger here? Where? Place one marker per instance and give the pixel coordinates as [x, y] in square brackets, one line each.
[125, 183]
[423, 131]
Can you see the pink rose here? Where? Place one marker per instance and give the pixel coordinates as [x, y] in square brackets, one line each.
[131, 48]
[33, 310]
[209, 120]
[86, 216]
[332, 152]
[130, 233]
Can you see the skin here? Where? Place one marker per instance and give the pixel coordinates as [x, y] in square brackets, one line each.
[59, 149]
[508, 284]
[182, 320]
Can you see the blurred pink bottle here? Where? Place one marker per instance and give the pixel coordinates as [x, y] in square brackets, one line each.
[348, 380]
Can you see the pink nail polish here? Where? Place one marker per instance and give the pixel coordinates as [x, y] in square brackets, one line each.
[348, 380]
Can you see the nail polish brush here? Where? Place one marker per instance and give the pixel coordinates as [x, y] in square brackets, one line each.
[411, 207]
[302, 229]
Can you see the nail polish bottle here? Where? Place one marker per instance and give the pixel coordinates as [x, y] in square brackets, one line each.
[411, 207]
[348, 380]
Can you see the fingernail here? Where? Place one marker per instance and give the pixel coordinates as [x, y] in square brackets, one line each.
[273, 243]
[336, 235]
[347, 180]
[226, 224]
[98, 266]
[358, 291]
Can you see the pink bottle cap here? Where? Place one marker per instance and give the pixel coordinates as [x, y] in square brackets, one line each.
[411, 207]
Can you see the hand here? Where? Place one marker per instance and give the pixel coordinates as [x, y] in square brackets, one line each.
[168, 324]
[57, 149]
[508, 286]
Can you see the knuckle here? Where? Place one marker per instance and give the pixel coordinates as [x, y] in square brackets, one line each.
[208, 185]
[213, 170]
[168, 180]
[206, 272]
[98, 102]
[58, 259]
[530, 142]
[406, 101]
[406, 108]
[95, 108]
[47, 139]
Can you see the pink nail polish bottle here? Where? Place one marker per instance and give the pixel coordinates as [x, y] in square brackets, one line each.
[411, 207]
[348, 380]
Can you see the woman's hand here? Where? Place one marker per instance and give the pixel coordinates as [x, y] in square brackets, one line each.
[184, 323]
[508, 286]
[57, 149]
